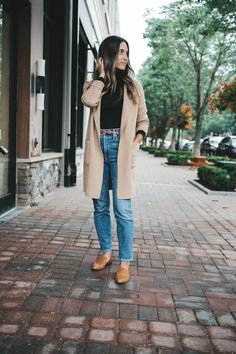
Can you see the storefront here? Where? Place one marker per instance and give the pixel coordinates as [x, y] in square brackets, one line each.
[14, 43]
[46, 53]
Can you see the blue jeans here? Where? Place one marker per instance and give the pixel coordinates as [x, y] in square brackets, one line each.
[122, 207]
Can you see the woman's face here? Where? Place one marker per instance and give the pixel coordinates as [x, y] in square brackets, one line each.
[122, 57]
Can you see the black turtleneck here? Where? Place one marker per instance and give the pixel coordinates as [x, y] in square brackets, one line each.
[112, 104]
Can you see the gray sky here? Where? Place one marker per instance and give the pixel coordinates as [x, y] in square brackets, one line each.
[132, 27]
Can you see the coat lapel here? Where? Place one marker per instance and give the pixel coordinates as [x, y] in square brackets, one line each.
[96, 116]
[124, 115]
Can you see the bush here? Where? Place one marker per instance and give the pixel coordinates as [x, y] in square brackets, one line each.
[179, 158]
[215, 159]
[161, 153]
[217, 178]
[232, 182]
[144, 147]
[172, 159]
[151, 150]
[229, 167]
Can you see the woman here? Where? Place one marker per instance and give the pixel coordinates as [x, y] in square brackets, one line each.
[117, 124]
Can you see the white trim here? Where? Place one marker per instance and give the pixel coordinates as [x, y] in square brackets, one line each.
[45, 156]
[79, 151]
[66, 115]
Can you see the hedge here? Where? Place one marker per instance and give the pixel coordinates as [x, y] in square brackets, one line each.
[144, 147]
[161, 153]
[152, 151]
[179, 158]
[217, 178]
[215, 159]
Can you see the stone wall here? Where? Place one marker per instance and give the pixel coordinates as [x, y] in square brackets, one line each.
[36, 179]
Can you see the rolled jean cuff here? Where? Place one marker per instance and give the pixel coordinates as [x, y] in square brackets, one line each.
[126, 260]
[108, 250]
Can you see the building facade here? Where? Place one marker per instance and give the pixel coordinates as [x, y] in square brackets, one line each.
[47, 49]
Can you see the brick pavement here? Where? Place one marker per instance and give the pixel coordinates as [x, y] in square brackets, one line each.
[182, 294]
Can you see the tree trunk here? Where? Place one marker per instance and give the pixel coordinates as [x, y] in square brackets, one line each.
[162, 144]
[173, 139]
[196, 150]
[178, 139]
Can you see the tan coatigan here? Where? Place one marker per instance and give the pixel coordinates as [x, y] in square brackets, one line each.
[134, 117]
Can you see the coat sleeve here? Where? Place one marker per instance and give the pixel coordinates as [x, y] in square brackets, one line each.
[92, 93]
[142, 118]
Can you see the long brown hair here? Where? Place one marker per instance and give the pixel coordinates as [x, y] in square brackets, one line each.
[108, 51]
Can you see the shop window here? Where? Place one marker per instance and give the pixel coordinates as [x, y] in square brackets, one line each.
[54, 14]
[83, 52]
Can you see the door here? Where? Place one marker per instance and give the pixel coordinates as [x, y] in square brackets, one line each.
[54, 29]
[7, 107]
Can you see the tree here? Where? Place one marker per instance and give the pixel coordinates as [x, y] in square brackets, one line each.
[156, 103]
[166, 81]
[226, 12]
[219, 124]
[203, 48]
[207, 47]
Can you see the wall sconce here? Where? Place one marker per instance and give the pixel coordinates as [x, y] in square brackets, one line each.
[3, 150]
[35, 142]
[40, 84]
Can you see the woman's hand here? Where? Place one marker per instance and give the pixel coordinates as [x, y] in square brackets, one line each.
[100, 67]
[138, 139]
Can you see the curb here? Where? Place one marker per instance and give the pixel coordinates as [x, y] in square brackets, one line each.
[195, 183]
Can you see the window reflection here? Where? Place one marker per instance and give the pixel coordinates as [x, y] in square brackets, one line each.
[4, 99]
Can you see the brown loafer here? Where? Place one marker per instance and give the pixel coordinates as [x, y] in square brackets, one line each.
[102, 262]
[122, 275]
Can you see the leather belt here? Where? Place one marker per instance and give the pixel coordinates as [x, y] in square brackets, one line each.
[110, 131]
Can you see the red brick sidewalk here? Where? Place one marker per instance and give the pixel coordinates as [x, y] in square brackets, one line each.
[182, 295]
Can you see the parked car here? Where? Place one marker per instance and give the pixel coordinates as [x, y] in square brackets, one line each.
[164, 144]
[227, 146]
[210, 144]
[167, 144]
[188, 146]
[179, 144]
